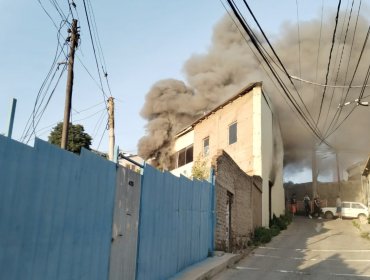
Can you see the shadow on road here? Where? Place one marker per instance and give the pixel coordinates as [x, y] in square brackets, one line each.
[308, 249]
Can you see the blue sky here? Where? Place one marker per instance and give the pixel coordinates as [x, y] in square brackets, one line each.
[143, 42]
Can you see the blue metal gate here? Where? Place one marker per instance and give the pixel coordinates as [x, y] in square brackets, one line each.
[175, 228]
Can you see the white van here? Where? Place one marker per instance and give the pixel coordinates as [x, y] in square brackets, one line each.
[349, 210]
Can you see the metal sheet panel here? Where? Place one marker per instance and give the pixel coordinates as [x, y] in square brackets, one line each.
[56, 212]
[175, 225]
[125, 225]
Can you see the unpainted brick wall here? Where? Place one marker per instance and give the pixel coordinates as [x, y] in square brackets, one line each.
[246, 203]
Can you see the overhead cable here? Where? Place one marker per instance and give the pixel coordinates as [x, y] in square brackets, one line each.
[280, 82]
[330, 54]
[322, 85]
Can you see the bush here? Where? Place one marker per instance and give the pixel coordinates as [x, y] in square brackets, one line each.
[262, 235]
[282, 222]
[275, 230]
[287, 218]
[277, 224]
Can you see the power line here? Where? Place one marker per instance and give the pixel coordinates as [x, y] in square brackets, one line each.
[46, 81]
[39, 108]
[80, 60]
[318, 51]
[263, 67]
[363, 88]
[39, 116]
[354, 73]
[101, 138]
[340, 62]
[93, 46]
[59, 10]
[99, 47]
[299, 40]
[343, 100]
[314, 126]
[252, 36]
[77, 120]
[331, 50]
[322, 85]
[98, 125]
[47, 13]
[88, 108]
[96, 35]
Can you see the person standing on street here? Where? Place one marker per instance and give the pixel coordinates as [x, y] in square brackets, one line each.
[338, 204]
[293, 204]
[317, 207]
[307, 207]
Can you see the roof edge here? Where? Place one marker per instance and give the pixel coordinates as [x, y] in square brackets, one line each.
[240, 93]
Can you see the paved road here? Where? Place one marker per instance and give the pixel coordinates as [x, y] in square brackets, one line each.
[308, 249]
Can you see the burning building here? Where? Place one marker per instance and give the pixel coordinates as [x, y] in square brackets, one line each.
[246, 127]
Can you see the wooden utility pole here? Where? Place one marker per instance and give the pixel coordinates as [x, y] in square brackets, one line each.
[67, 108]
[111, 128]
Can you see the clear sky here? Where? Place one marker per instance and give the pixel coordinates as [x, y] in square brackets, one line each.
[142, 41]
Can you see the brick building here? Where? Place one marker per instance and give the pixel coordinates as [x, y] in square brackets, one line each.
[246, 128]
[238, 204]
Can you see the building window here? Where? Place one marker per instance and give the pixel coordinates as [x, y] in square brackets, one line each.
[233, 133]
[189, 154]
[206, 146]
[184, 156]
[181, 158]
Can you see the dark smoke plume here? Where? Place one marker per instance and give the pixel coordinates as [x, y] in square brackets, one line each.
[230, 65]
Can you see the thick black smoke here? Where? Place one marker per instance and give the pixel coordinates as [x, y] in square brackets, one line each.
[230, 65]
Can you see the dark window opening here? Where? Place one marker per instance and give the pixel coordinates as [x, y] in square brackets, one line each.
[185, 156]
[233, 133]
[181, 158]
[206, 146]
[189, 154]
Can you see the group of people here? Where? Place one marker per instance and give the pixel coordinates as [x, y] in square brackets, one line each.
[316, 206]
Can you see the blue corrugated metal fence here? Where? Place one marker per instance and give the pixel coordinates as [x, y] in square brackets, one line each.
[175, 227]
[56, 216]
[56, 212]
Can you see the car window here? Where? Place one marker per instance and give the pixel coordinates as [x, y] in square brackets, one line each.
[346, 205]
[357, 206]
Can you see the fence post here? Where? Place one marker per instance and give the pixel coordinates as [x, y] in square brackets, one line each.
[139, 221]
[11, 118]
[212, 213]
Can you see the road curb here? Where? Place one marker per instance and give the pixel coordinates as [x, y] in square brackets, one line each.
[210, 267]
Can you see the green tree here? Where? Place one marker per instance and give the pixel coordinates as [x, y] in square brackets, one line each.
[200, 170]
[77, 137]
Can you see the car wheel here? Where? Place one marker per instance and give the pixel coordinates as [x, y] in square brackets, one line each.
[329, 215]
[362, 218]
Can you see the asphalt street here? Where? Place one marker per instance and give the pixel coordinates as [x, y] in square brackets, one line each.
[308, 249]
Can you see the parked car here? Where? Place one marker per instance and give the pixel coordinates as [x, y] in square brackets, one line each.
[350, 209]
